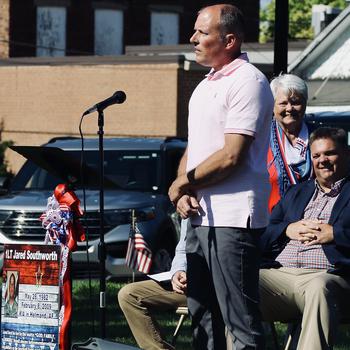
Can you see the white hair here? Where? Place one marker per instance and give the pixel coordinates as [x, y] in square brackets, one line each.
[289, 84]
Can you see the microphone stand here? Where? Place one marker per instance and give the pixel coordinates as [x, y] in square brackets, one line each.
[102, 246]
[95, 342]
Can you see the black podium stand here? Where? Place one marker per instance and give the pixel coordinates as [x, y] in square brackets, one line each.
[62, 164]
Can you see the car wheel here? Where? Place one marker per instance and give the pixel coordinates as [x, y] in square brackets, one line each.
[161, 261]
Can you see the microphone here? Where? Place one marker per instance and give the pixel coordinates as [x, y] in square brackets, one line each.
[116, 98]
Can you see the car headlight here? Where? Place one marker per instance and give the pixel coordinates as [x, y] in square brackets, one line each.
[123, 216]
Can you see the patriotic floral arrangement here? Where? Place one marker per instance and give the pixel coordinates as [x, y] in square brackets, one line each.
[62, 225]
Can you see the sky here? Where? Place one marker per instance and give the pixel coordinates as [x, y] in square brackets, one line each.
[264, 3]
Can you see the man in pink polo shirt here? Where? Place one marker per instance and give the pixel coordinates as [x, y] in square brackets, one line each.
[223, 184]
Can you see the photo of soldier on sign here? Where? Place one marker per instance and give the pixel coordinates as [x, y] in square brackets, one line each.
[11, 294]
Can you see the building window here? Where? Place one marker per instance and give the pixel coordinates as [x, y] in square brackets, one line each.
[164, 28]
[109, 32]
[51, 31]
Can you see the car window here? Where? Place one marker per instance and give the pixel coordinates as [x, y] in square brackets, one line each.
[313, 122]
[129, 170]
[132, 170]
[173, 160]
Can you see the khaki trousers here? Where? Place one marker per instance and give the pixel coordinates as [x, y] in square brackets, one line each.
[139, 301]
[316, 297]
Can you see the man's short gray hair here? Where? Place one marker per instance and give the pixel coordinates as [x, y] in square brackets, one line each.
[289, 84]
[231, 21]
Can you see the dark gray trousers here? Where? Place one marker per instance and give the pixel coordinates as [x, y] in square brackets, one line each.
[223, 277]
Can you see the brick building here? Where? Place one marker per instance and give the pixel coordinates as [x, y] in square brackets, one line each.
[43, 97]
[92, 27]
[4, 27]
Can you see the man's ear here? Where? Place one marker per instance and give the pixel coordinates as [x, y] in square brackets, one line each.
[231, 41]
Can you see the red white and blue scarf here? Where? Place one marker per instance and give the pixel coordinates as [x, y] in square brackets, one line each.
[289, 174]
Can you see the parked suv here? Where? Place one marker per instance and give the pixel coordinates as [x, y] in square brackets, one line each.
[320, 116]
[138, 172]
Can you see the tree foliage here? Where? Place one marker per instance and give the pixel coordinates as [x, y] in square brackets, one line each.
[300, 13]
[4, 172]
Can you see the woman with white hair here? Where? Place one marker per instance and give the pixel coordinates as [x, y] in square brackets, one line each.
[288, 159]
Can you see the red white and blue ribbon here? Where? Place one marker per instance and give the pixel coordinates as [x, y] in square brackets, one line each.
[62, 225]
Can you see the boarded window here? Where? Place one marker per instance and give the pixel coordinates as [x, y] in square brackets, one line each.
[51, 31]
[108, 32]
[164, 28]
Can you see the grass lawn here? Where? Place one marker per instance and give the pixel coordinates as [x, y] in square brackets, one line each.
[85, 309]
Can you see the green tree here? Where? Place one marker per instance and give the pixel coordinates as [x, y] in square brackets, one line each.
[4, 172]
[300, 13]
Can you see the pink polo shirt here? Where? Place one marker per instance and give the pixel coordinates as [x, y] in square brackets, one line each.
[236, 99]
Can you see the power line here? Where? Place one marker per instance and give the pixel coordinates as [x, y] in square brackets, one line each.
[35, 46]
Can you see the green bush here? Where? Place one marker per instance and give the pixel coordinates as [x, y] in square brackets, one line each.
[4, 172]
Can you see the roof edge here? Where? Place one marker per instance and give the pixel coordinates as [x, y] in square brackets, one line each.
[319, 38]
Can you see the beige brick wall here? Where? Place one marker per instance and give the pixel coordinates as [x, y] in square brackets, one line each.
[41, 102]
[4, 28]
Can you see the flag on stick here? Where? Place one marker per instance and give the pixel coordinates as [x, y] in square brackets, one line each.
[138, 256]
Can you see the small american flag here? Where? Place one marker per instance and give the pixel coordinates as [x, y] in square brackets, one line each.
[138, 256]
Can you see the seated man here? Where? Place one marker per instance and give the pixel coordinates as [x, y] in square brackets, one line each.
[140, 300]
[307, 246]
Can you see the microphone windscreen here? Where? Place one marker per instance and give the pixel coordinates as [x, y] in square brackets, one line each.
[119, 96]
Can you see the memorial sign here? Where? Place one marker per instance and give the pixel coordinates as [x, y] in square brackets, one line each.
[30, 297]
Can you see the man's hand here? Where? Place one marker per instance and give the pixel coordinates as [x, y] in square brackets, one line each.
[303, 230]
[324, 235]
[179, 282]
[178, 188]
[187, 206]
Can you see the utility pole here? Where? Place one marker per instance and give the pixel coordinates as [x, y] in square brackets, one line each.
[281, 37]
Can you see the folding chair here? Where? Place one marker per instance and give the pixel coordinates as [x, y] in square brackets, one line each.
[293, 331]
[183, 312]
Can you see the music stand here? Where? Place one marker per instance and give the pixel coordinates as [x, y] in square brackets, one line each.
[62, 164]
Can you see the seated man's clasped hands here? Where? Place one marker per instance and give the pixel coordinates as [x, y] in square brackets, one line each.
[310, 232]
[307, 246]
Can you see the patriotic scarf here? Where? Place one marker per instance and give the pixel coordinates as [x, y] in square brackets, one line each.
[61, 222]
[288, 174]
